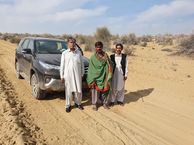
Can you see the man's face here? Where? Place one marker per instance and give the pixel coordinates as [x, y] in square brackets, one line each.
[119, 49]
[98, 49]
[71, 44]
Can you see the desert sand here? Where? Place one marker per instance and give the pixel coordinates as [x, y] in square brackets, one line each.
[158, 110]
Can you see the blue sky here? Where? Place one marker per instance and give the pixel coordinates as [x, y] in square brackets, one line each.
[84, 16]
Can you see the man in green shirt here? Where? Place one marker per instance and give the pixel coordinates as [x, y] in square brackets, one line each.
[99, 76]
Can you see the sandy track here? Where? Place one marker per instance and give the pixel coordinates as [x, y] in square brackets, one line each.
[159, 105]
[17, 126]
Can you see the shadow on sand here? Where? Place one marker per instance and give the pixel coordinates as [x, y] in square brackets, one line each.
[55, 95]
[86, 100]
[135, 96]
[61, 95]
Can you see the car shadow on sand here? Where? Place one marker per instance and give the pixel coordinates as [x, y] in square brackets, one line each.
[55, 95]
[139, 94]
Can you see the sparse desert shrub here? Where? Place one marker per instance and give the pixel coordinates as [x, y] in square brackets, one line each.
[143, 44]
[15, 40]
[5, 37]
[103, 34]
[129, 51]
[145, 38]
[81, 39]
[187, 45]
[112, 50]
[129, 39]
[88, 47]
[164, 39]
[65, 36]
[89, 44]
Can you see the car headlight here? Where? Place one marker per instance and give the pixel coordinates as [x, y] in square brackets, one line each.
[49, 66]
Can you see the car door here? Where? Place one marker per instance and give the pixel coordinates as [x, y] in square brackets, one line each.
[19, 56]
[28, 58]
[25, 56]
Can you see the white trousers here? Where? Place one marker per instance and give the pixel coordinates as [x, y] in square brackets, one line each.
[77, 97]
[117, 95]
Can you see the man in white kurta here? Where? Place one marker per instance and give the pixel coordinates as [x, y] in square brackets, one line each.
[71, 72]
[120, 68]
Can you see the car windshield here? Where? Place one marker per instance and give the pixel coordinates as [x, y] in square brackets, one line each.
[50, 46]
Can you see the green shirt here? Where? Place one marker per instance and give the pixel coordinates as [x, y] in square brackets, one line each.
[100, 71]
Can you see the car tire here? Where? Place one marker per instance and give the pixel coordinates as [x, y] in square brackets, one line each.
[36, 91]
[18, 75]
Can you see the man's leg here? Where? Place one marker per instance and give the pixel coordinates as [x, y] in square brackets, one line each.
[113, 95]
[94, 94]
[78, 99]
[68, 96]
[105, 100]
[120, 97]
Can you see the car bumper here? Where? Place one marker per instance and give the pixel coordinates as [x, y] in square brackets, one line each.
[56, 85]
[53, 85]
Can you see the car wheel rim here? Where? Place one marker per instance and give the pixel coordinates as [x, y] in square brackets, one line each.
[34, 85]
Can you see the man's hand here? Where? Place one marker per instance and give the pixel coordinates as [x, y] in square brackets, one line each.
[92, 85]
[125, 78]
[62, 80]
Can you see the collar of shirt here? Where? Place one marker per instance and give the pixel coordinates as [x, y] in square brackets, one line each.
[72, 51]
[117, 55]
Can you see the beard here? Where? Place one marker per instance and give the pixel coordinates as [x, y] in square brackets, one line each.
[72, 48]
[118, 52]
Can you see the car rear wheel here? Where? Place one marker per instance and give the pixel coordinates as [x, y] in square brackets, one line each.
[18, 71]
[36, 91]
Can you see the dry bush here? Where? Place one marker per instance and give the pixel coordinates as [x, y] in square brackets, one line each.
[89, 43]
[143, 44]
[5, 37]
[187, 45]
[129, 51]
[103, 34]
[15, 40]
[81, 39]
[145, 38]
[129, 39]
[164, 39]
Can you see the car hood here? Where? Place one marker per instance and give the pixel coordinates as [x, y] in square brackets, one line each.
[54, 59]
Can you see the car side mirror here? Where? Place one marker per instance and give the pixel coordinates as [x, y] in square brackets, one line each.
[27, 51]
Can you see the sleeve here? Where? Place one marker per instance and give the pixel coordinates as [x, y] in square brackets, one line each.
[82, 65]
[62, 66]
[126, 67]
[91, 75]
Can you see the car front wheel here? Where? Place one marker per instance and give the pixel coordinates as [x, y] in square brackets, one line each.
[36, 91]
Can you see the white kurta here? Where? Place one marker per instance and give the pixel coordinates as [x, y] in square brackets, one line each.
[72, 70]
[118, 78]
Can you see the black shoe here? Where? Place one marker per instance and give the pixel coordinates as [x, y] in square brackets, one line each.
[105, 106]
[120, 103]
[68, 109]
[94, 107]
[111, 104]
[79, 106]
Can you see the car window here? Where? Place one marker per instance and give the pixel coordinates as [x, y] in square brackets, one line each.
[25, 43]
[50, 46]
[30, 45]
